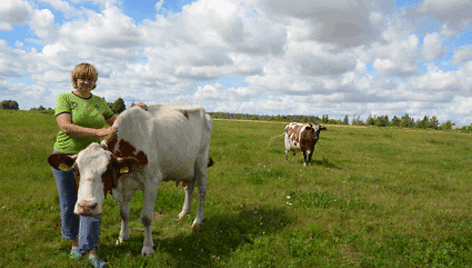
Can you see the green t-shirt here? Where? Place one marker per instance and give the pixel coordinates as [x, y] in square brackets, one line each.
[90, 113]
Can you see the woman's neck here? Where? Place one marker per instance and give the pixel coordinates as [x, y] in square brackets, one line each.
[83, 95]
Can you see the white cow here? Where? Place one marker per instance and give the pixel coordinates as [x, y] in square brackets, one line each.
[167, 142]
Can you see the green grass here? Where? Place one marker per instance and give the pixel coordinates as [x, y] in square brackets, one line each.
[372, 197]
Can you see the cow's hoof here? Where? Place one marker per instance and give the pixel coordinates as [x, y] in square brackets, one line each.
[147, 251]
[181, 215]
[196, 225]
[120, 241]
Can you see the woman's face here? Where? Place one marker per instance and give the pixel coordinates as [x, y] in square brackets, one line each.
[85, 85]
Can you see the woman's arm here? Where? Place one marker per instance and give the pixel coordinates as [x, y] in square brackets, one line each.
[111, 120]
[76, 131]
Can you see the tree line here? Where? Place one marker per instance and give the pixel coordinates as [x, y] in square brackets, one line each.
[380, 121]
[405, 121]
[117, 106]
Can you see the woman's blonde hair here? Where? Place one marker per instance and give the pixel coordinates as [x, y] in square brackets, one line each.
[84, 71]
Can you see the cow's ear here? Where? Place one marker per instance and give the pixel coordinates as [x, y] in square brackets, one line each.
[61, 161]
[323, 128]
[127, 164]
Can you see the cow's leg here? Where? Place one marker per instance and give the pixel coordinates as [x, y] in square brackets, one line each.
[286, 155]
[123, 196]
[147, 214]
[124, 212]
[202, 182]
[310, 153]
[304, 158]
[293, 161]
[188, 199]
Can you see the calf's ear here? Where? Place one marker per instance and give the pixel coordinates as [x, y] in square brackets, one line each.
[127, 164]
[61, 161]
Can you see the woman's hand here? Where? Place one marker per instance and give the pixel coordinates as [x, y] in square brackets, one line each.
[105, 131]
[142, 105]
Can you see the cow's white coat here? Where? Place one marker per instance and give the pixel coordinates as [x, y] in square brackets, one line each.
[177, 149]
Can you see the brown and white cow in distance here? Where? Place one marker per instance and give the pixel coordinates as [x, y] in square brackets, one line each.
[167, 142]
[301, 137]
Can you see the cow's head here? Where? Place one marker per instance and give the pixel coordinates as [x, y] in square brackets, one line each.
[317, 128]
[96, 173]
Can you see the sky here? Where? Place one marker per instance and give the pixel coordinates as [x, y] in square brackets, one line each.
[266, 57]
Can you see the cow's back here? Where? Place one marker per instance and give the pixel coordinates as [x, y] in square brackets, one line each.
[173, 136]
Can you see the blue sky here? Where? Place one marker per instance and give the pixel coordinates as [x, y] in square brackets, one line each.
[248, 56]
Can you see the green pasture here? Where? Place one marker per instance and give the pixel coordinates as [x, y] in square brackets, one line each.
[373, 197]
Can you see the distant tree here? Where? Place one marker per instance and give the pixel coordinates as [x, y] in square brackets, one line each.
[118, 106]
[9, 105]
[407, 121]
[324, 119]
[346, 120]
[370, 120]
[446, 125]
[356, 121]
[395, 121]
[382, 121]
[434, 122]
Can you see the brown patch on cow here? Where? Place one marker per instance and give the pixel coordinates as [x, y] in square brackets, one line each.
[75, 167]
[56, 159]
[111, 140]
[111, 175]
[307, 142]
[126, 149]
[186, 115]
[293, 131]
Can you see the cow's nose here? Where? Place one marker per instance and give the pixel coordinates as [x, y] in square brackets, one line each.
[87, 207]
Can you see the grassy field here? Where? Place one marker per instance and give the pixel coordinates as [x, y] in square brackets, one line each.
[373, 197]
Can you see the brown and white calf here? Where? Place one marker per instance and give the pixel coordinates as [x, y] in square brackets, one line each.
[301, 137]
[167, 142]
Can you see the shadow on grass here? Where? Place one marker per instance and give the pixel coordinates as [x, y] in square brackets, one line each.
[325, 162]
[214, 241]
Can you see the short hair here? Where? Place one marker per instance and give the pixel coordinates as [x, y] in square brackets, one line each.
[84, 71]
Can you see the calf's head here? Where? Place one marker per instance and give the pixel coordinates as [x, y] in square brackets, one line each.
[96, 172]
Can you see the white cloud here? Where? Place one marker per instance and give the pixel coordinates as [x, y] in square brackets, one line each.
[343, 22]
[432, 47]
[295, 57]
[14, 12]
[452, 11]
[397, 58]
[60, 5]
[462, 54]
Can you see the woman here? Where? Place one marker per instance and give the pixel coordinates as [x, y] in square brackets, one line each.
[81, 117]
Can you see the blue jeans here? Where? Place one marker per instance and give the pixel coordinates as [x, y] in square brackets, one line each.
[87, 229]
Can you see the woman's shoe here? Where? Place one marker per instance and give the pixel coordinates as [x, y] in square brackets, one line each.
[97, 262]
[75, 254]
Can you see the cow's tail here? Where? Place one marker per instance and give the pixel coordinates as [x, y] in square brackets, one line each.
[271, 140]
[210, 162]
